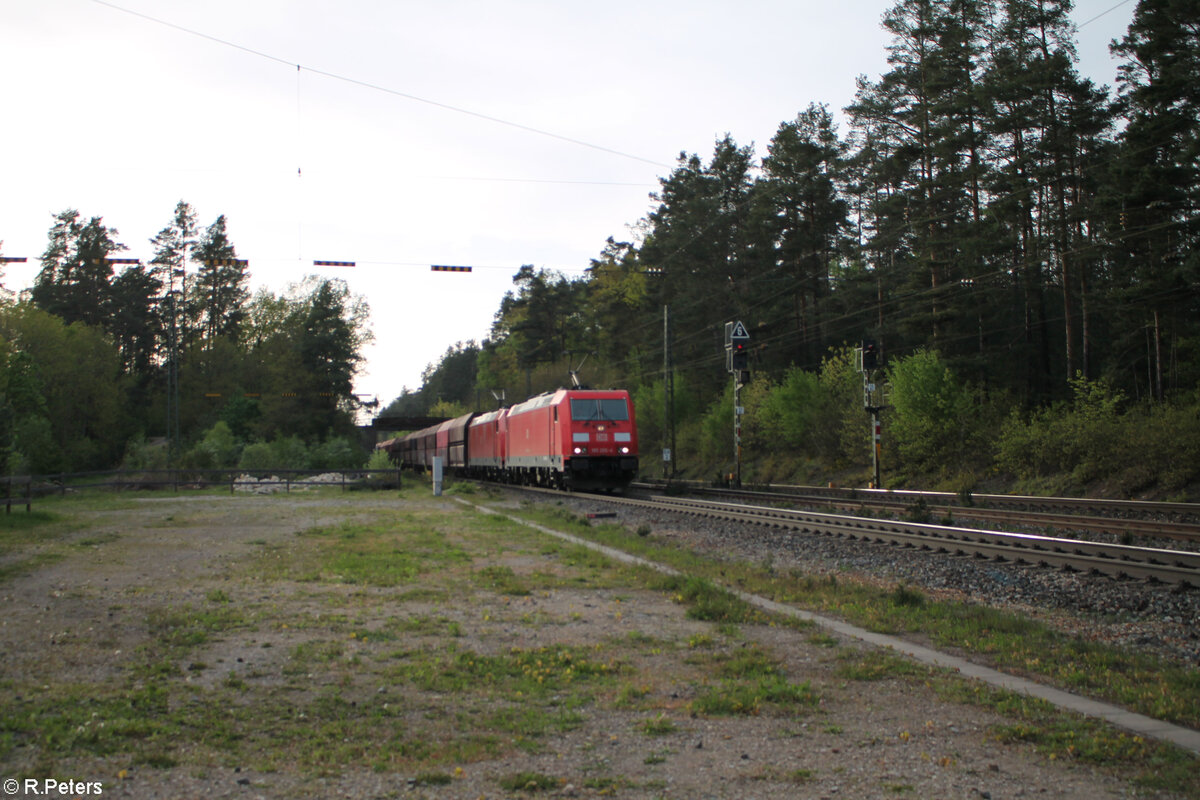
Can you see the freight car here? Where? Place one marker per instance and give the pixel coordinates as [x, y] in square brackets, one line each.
[568, 439]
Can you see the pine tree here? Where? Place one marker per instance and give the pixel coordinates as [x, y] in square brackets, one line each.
[173, 248]
[1156, 180]
[74, 282]
[217, 298]
[700, 243]
[136, 322]
[618, 298]
[328, 327]
[923, 118]
[805, 222]
[1046, 126]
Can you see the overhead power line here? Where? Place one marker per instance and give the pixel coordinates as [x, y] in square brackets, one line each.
[378, 88]
[1102, 13]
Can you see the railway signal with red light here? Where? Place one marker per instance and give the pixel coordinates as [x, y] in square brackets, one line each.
[870, 356]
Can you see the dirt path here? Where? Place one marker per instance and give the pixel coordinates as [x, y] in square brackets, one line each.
[373, 646]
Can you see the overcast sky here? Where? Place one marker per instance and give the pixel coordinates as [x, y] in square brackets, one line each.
[490, 133]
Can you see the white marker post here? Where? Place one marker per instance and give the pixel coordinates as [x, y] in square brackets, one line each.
[437, 476]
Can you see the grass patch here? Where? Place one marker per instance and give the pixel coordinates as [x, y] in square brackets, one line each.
[71, 719]
[877, 665]
[604, 785]
[631, 696]
[97, 540]
[518, 673]
[660, 725]
[432, 779]
[533, 722]
[502, 580]
[1062, 736]
[753, 697]
[529, 782]
[305, 655]
[21, 527]
[187, 626]
[24, 566]
[420, 624]
[750, 682]
[382, 554]
[709, 602]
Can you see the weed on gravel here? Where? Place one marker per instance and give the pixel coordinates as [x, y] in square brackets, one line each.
[336, 647]
[1141, 682]
[414, 638]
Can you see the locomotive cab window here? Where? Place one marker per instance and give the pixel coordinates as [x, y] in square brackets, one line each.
[609, 409]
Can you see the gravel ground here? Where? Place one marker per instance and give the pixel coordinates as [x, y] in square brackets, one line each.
[1158, 618]
[83, 620]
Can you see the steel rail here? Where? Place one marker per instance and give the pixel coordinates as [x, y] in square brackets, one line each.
[1118, 560]
[1157, 529]
[1123, 525]
[1121, 509]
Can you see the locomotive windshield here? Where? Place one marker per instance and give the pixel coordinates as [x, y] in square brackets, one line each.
[611, 409]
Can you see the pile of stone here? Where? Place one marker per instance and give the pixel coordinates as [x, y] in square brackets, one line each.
[273, 483]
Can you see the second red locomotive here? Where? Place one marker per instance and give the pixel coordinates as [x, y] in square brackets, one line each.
[568, 439]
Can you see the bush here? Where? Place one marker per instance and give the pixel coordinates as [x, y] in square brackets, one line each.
[379, 459]
[257, 457]
[221, 443]
[290, 453]
[34, 447]
[648, 403]
[845, 426]
[1091, 439]
[140, 455]
[716, 430]
[933, 418]
[337, 454]
[281, 454]
[1075, 438]
[789, 413]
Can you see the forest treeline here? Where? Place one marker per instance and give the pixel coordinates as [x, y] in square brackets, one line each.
[1019, 242]
[107, 361]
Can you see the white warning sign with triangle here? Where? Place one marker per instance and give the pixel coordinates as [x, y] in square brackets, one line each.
[739, 331]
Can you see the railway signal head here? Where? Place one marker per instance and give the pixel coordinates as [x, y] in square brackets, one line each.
[870, 356]
[737, 355]
[740, 357]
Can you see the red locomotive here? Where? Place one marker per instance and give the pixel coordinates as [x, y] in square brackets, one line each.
[568, 439]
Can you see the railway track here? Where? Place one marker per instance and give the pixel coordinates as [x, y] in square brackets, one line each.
[1126, 520]
[1113, 559]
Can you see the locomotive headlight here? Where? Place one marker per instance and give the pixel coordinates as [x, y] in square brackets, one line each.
[624, 451]
[578, 450]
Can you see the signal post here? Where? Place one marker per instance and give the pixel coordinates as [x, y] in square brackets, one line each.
[737, 362]
[868, 358]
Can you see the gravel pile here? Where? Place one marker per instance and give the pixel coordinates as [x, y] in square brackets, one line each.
[1158, 618]
[273, 483]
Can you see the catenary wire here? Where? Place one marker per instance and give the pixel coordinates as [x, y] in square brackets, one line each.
[380, 88]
